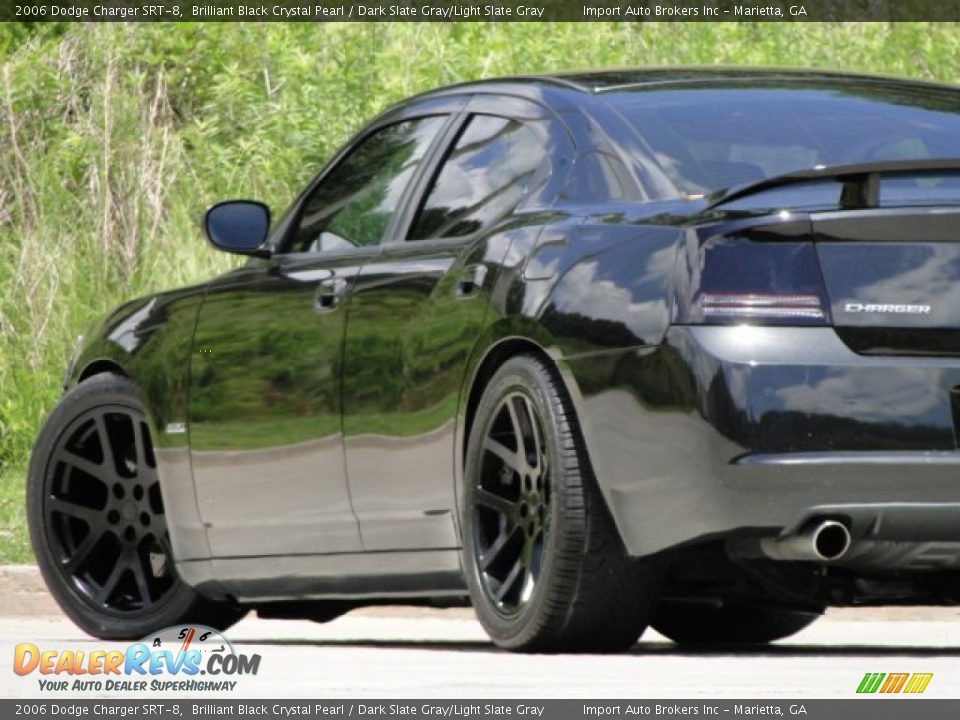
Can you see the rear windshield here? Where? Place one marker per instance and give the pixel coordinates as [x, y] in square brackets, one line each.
[714, 139]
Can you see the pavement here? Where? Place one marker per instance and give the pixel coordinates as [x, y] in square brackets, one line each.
[389, 653]
[22, 592]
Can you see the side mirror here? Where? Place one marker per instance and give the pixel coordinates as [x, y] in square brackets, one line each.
[238, 226]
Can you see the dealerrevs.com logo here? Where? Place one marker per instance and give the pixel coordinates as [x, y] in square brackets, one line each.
[180, 659]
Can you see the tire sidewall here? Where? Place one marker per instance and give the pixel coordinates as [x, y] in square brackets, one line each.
[516, 375]
[97, 391]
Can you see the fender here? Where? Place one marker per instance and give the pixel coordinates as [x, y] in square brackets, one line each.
[501, 340]
[580, 298]
[150, 341]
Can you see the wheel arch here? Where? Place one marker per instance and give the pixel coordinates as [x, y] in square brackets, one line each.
[99, 367]
[492, 361]
[498, 348]
[104, 365]
[187, 535]
[508, 338]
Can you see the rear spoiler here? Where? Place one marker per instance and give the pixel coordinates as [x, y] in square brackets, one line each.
[861, 182]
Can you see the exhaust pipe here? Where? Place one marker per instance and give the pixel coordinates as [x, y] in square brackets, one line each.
[822, 540]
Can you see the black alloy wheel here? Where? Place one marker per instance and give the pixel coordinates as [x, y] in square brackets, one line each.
[104, 513]
[512, 505]
[97, 522]
[545, 567]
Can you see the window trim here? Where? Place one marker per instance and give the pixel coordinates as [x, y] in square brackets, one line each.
[507, 107]
[447, 108]
[413, 196]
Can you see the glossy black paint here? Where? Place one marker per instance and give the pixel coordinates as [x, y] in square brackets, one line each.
[310, 411]
[265, 409]
[412, 322]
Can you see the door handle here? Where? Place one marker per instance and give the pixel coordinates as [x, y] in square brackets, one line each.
[329, 294]
[471, 280]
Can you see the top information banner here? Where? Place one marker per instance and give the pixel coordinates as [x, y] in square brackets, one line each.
[481, 11]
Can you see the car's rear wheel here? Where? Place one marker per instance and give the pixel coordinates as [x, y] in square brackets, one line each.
[699, 624]
[545, 566]
[97, 521]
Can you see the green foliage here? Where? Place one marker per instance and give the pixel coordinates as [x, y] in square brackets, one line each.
[14, 546]
[114, 138]
[15, 34]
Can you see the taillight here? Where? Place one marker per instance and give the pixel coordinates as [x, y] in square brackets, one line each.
[758, 305]
[753, 276]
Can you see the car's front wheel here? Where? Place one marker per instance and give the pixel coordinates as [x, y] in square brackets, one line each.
[544, 563]
[97, 521]
[696, 624]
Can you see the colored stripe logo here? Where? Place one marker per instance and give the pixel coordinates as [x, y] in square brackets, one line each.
[891, 683]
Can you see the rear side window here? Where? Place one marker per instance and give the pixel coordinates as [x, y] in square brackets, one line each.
[486, 174]
[921, 189]
[353, 205]
[713, 139]
[896, 190]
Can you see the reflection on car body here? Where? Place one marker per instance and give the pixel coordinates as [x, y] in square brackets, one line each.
[676, 347]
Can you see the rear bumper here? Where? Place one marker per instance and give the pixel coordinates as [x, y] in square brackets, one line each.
[753, 431]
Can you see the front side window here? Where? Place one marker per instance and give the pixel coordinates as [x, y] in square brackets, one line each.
[484, 177]
[353, 205]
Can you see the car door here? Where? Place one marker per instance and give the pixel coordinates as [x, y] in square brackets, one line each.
[415, 315]
[265, 397]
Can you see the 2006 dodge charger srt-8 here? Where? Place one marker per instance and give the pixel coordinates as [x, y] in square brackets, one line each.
[592, 352]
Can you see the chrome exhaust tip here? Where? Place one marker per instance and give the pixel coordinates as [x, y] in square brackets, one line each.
[822, 541]
[831, 540]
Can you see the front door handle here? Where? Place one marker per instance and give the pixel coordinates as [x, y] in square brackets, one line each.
[471, 280]
[329, 294]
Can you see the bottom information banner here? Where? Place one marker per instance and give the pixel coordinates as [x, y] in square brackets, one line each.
[874, 709]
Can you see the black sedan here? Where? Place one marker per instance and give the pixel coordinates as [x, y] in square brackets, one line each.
[592, 352]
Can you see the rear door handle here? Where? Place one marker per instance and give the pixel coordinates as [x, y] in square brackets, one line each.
[329, 294]
[471, 280]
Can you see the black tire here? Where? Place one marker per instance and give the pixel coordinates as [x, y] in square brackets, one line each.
[96, 519]
[540, 511]
[695, 624]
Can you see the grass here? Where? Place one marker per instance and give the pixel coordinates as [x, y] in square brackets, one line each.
[113, 138]
[14, 545]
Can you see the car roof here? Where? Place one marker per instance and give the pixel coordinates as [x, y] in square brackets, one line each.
[584, 91]
[617, 79]
[601, 81]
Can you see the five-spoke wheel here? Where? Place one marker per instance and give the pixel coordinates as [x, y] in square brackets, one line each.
[543, 562]
[512, 504]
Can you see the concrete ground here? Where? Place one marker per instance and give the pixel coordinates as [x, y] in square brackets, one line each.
[403, 653]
